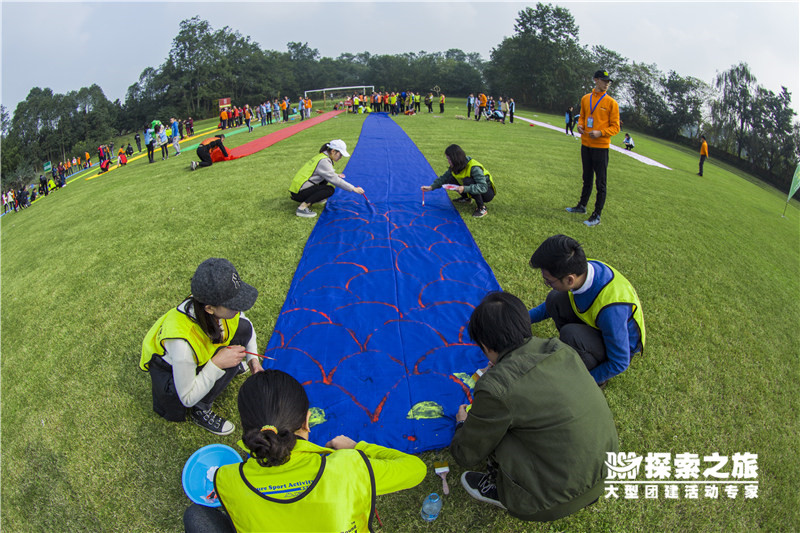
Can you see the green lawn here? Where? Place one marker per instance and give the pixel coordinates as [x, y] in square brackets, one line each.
[87, 270]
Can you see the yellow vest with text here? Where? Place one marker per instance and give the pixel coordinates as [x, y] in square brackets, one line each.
[618, 290]
[467, 172]
[176, 324]
[305, 172]
[335, 493]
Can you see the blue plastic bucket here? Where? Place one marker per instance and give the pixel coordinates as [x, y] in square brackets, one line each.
[195, 475]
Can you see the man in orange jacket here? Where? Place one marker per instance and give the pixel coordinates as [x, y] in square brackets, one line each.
[598, 122]
[703, 154]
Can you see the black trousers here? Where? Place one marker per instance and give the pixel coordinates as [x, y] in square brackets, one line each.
[481, 110]
[702, 160]
[315, 193]
[586, 340]
[166, 401]
[441, 108]
[595, 166]
[205, 156]
[202, 519]
[151, 150]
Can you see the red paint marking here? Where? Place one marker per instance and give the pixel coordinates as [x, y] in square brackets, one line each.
[306, 383]
[444, 341]
[463, 386]
[275, 137]
[353, 335]
[412, 438]
[375, 302]
[308, 309]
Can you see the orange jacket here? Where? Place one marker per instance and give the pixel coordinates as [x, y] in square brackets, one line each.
[704, 149]
[483, 100]
[605, 118]
[308, 103]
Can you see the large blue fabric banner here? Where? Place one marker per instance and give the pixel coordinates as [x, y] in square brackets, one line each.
[375, 321]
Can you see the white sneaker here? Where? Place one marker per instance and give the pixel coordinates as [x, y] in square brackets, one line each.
[305, 212]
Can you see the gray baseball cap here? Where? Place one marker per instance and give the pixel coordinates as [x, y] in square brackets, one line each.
[216, 282]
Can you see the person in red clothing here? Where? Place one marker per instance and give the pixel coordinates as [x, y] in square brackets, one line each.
[598, 122]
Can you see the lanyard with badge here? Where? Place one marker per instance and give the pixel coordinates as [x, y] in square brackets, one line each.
[590, 119]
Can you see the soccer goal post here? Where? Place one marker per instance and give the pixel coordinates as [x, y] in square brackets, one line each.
[335, 93]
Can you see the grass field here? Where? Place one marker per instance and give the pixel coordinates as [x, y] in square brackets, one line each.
[87, 270]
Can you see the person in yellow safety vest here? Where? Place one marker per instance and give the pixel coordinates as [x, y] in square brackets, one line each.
[315, 180]
[595, 309]
[417, 101]
[290, 484]
[441, 103]
[195, 349]
[356, 103]
[473, 181]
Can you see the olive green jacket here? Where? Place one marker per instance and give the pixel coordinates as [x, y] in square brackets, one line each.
[542, 420]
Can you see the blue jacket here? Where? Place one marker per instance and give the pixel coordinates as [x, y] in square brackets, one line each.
[621, 337]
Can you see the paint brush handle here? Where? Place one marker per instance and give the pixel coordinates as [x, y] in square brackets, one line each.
[445, 486]
[259, 355]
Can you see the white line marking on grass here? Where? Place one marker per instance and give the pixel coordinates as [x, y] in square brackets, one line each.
[638, 157]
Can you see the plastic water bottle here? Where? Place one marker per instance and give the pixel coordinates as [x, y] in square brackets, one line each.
[431, 507]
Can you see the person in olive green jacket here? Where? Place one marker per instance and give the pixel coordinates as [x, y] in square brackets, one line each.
[537, 418]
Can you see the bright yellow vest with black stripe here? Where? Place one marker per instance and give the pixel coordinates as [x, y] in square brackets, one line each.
[305, 172]
[467, 172]
[176, 324]
[618, 290]
[333, 494]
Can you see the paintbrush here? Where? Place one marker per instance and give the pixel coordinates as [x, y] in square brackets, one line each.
[261, 356]
[441, 470]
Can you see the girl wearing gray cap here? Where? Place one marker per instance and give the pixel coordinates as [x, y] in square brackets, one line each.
[196, 348]
[315, 180]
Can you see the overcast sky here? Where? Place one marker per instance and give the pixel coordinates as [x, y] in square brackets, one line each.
[66, 46]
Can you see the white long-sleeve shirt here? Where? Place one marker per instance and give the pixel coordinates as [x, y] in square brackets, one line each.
[190, 385]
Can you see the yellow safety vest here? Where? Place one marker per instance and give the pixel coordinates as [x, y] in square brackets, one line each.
[618, 290]
[176, 324]
[318, 489]
[305, 172]
[468, 171]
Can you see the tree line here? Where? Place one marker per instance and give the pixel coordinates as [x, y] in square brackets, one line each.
[542, 65]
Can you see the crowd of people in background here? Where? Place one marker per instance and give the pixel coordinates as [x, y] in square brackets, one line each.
[272, 110]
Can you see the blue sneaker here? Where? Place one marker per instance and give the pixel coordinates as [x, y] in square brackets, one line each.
[593, 220]
[577, 209]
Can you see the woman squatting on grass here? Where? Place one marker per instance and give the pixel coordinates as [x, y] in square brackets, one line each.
[197, 348]
[315, 180]
[334, 486]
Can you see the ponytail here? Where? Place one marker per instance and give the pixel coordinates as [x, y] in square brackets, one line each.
[272, 406]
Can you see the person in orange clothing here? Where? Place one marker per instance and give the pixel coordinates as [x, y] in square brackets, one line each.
[482, 102]
[703, 154]
[88, 160]
[598, 122]
[308, 107]
[223, 118]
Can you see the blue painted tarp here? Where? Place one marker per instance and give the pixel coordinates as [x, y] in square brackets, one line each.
[375, 320]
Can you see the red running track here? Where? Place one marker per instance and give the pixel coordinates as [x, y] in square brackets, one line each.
[275, 137]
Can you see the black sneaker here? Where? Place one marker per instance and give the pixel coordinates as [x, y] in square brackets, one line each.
[211, 421]
[481, 487]
[480, 212]
[577, 209]
[463, 200]
[593, 220]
